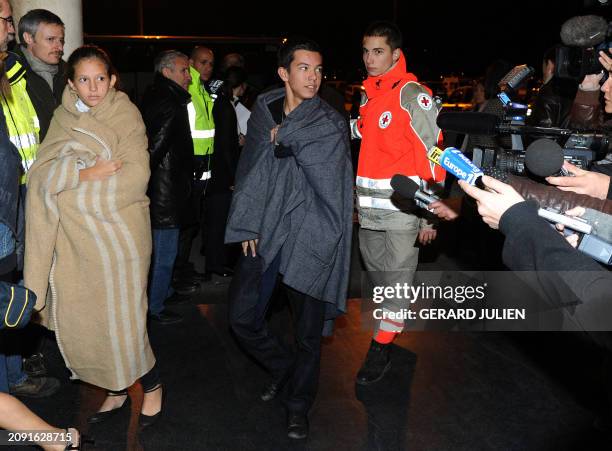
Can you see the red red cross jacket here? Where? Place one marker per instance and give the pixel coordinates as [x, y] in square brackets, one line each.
[397, 126]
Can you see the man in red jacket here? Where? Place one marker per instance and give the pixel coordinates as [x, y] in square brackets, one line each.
[397, 126]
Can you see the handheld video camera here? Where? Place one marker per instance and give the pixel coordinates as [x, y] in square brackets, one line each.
[584, 37]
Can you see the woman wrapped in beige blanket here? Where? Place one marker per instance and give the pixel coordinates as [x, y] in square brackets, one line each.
[88, 235]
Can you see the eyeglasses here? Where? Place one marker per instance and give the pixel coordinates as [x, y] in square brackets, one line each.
[8, 19]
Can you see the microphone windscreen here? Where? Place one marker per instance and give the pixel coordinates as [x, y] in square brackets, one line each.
[584, 31]
[544, 157]
[469, 122]
[404, 186]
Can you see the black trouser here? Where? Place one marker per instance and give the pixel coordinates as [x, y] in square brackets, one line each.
[187, 234]
[247, 311]
[182, 265]
[216, 209]
[149, 381]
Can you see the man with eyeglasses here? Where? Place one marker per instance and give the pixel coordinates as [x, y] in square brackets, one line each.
[23, 129]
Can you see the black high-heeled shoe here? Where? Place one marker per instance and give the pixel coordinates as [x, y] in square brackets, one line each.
[99, 417]
[148, 420]
[77, 441]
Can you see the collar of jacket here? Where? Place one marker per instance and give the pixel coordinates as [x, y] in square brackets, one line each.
[26, 57]
[299, 118]
[15, 69]
[174, 88]
[376, 86]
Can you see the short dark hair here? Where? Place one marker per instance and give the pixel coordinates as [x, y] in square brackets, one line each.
[387, 30]
[551, 54]
[32, 19]
[493, 75]
[233, 77]
[287, 50]
[88, 52]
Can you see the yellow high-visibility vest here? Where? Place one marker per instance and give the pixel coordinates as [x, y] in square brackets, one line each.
[201, 119]
[21, 118]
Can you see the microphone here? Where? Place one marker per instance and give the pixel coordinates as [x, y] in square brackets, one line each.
[515, 77]
[544, 158]
[471, 123]
[455, 162]
[584, 31]
[491, 125]
[409, 189]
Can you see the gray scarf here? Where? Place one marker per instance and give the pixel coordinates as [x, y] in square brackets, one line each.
[44, 70]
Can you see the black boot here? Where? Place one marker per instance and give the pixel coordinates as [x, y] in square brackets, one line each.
[376, 364]
[297, 425]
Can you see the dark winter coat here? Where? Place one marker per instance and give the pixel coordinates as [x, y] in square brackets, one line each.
[553, 104]
[300, 205]
[10, 172]
[164, 111]
[44, 100]
[224, 159]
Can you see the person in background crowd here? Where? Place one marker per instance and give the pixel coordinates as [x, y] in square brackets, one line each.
[41, 37]
[554, 100]
[165, 113]
[22, 125]
[202, 125]
[586, 113]
[478, 98]
[223, 165]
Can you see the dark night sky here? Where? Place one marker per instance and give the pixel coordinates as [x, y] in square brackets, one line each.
[439, 37]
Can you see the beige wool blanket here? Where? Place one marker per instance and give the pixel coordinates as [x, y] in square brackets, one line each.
[88, 244]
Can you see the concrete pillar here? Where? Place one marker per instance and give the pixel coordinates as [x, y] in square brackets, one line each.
[70, 11]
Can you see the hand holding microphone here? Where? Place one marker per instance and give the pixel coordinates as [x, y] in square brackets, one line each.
[590, 183]
[494, 203]
[444, 209]
[447, 209]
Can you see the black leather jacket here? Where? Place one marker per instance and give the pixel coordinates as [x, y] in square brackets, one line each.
[224, 160]
[164, 110]
[553, 104]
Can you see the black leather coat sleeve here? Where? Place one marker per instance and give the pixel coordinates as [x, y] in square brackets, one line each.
[159, 120]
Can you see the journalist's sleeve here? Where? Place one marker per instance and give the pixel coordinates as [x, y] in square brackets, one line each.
[586, 111]
[563, 272]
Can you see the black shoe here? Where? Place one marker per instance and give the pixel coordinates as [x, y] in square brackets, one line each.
[99, 417]
[177, 299]
[35, 387]
[270, 392]
[188, 287]
[297, 426]
[190, 276]
[35, 365]
[225, 273]
[148, 420]
[376, 364]
[166, 317]
[200, 276]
